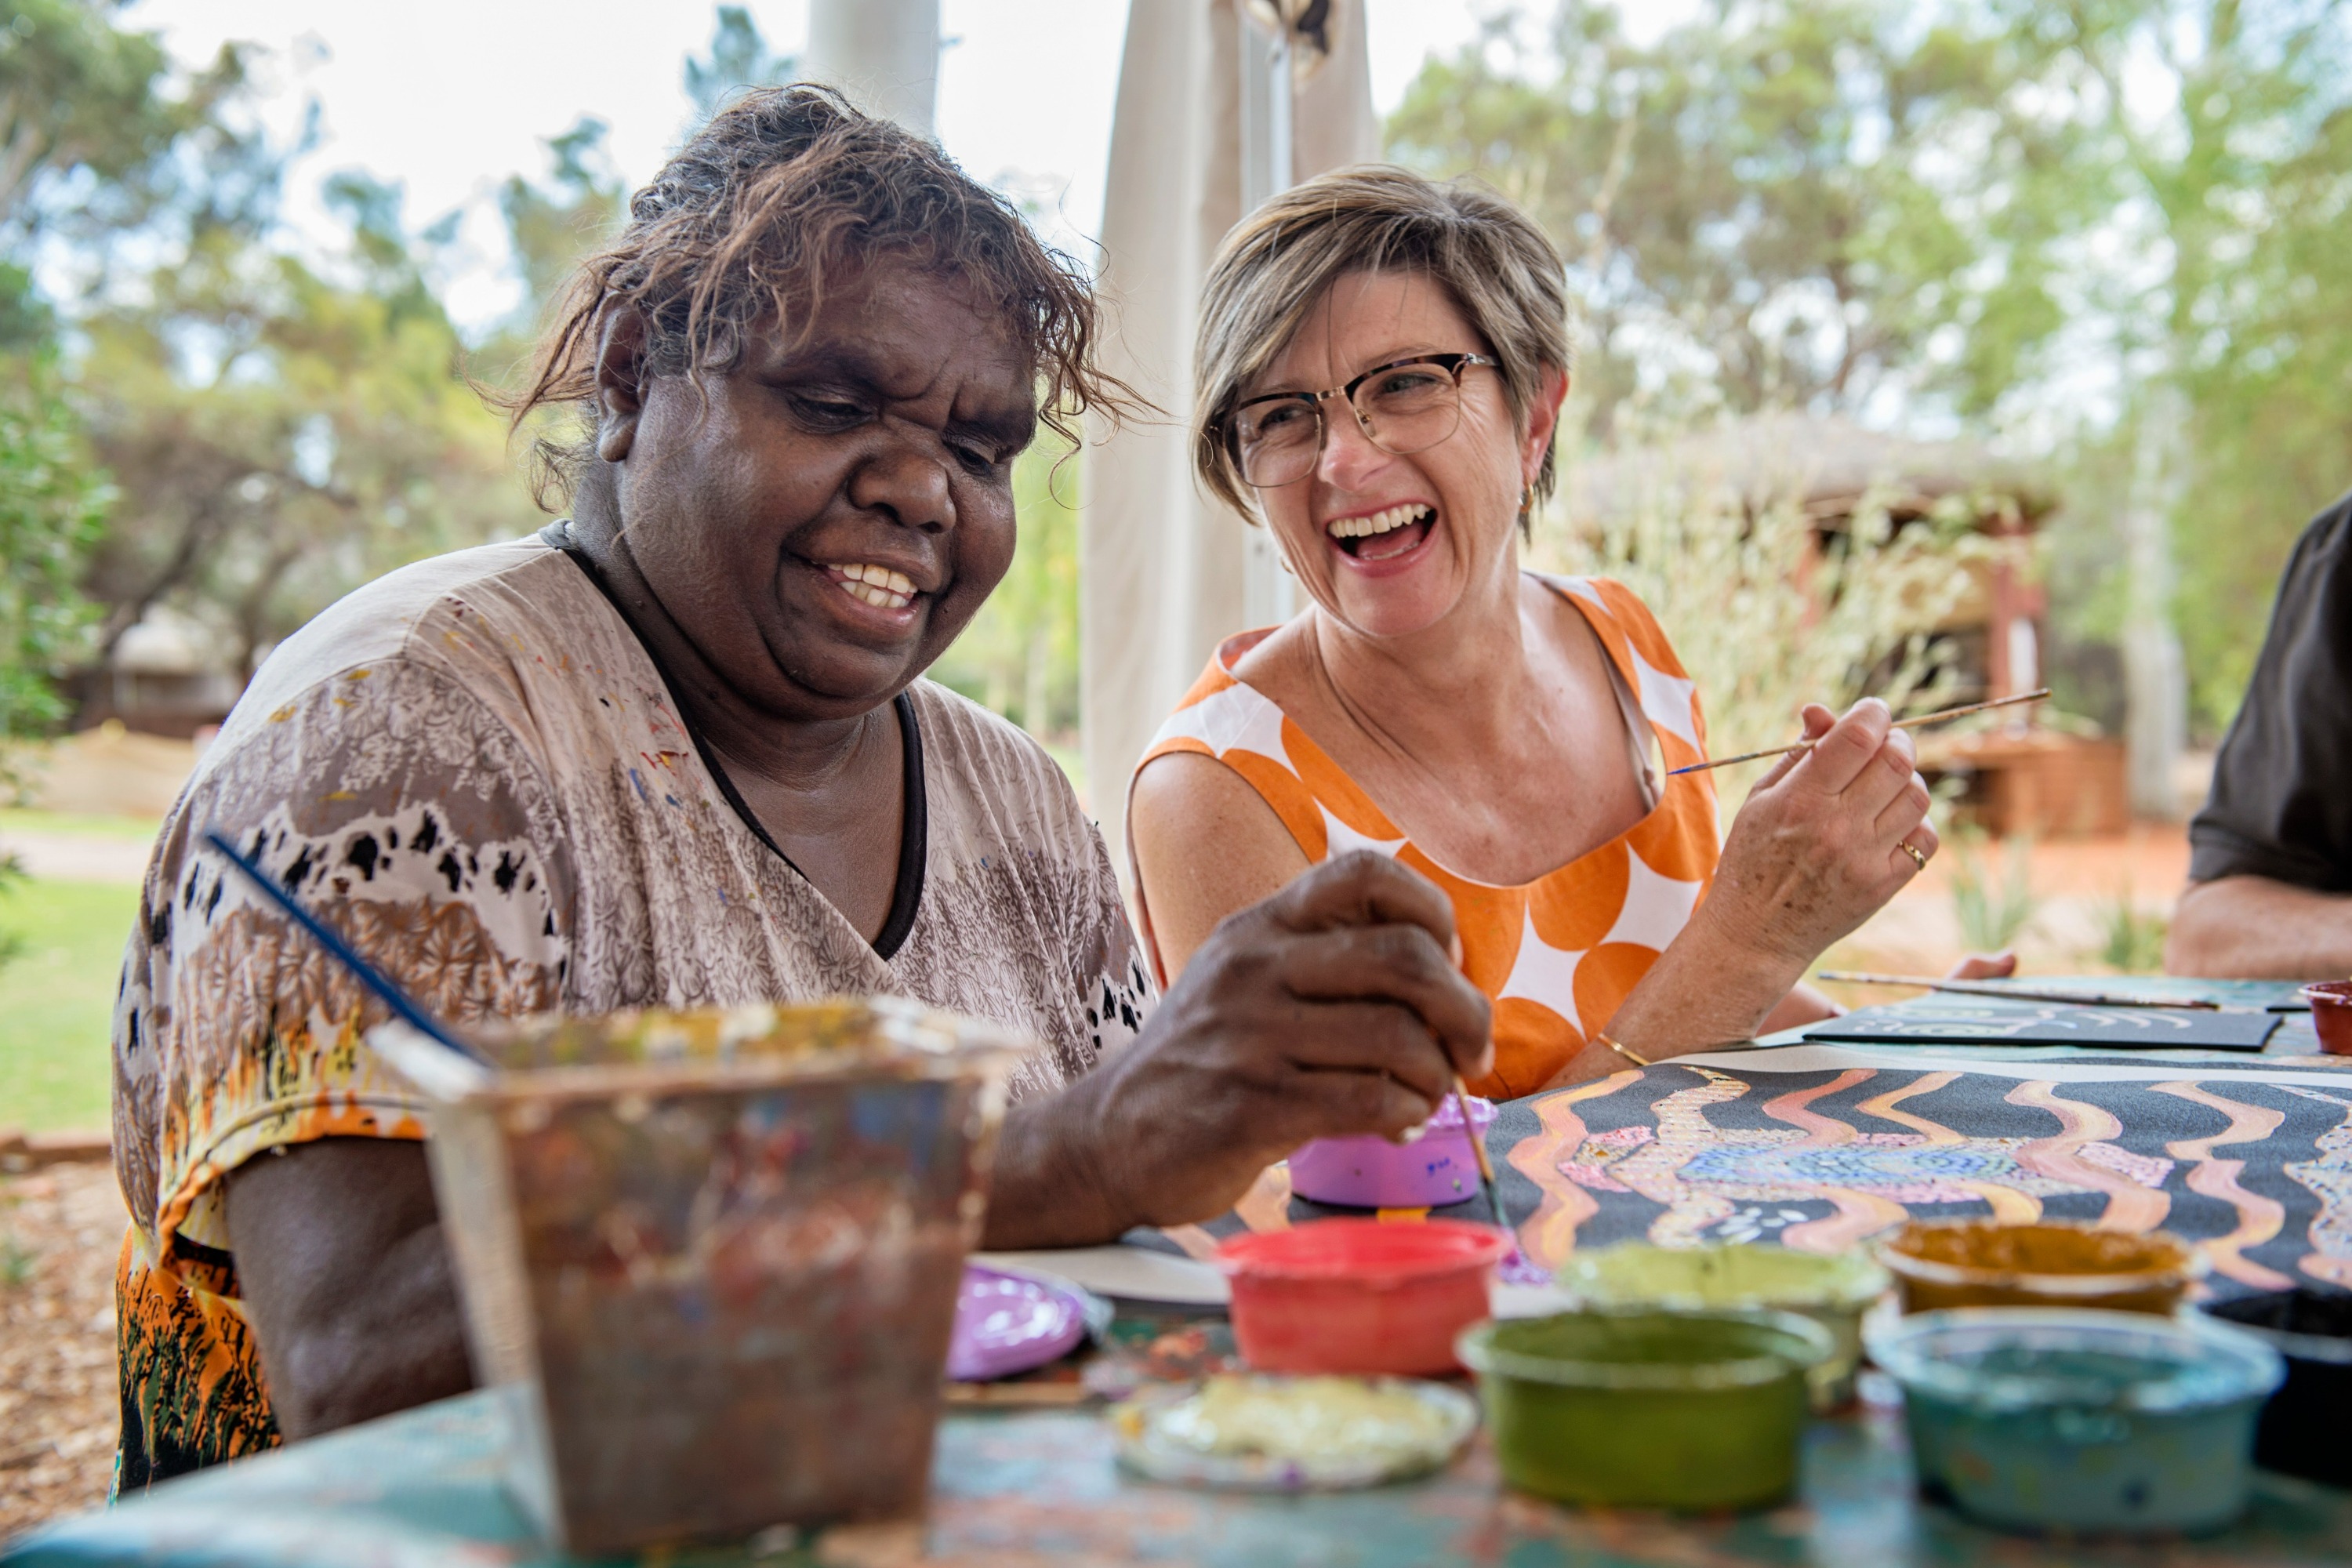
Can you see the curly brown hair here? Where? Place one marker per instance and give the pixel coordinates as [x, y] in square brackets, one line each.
[783, 190]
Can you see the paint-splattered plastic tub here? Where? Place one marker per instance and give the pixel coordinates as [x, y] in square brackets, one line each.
[2331, 1015]
[711, 1259]
[1637, 1408]
[2080, 1420]
[1357, 1296]
[2302, 1429]
[1943, 1264]
[1437, 1168]
[1834, 1290]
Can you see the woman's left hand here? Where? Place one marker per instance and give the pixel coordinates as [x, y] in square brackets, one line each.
[1985, 966]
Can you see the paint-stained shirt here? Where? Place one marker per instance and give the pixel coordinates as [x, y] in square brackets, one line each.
[474, 771]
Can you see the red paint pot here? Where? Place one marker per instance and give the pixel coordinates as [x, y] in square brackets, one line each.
[1357, 1296]
[2331, 1015]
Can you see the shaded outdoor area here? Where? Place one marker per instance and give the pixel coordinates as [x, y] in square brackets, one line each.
[1943, 353]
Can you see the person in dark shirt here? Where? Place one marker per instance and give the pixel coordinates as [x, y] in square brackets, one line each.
[2270, 873]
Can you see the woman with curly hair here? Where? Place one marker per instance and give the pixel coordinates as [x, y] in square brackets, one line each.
[675, 751]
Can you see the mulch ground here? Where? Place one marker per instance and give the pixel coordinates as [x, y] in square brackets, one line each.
[61, 1229]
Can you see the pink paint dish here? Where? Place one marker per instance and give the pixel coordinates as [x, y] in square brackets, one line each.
[1370, 1173]
[2331, 1015]
[1359, 1296]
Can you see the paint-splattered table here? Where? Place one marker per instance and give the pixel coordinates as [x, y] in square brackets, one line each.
[1811, 1145]
[1039, 1489]
[2247, 1154]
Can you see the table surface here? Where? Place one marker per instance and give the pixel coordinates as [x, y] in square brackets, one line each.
[1041, 1488]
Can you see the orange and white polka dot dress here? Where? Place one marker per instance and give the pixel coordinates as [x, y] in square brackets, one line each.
[1559, 954]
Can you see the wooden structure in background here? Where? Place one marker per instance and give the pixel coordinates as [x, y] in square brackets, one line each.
[2020, 777]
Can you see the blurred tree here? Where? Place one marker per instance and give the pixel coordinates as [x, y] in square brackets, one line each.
[89, 115]
[1020, 655]
[280, 433]
[552, 225]
[2056, 221]
[52, 506]
[740, 57]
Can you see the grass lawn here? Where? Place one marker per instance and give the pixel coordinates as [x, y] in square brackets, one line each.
[56, 1001]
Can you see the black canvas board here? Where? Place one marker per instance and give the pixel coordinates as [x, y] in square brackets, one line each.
[1983, 1021]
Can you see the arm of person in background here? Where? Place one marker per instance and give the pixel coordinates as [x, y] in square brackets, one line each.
[2252, 928]
[2269, 870]
[1334, 1008]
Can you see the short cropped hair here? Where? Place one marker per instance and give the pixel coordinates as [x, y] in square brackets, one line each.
[1502, 270]
[783, 192]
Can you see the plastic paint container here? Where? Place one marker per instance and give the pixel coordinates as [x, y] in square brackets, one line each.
[1638, 1408]
[2080, 1420]
[1357, 1296]
[2331, 1015]
[2301, 1432]
[711, 1259]
[1834, 1290]
[1439, 1167]
[1946, 1264]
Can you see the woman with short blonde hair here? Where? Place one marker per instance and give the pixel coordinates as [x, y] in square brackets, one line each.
[1380, 367]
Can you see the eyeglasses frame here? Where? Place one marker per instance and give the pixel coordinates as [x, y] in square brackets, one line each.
[1454, 364]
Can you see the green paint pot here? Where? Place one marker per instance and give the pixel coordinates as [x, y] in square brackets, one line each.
[1641, 1408]
[1832, 1289]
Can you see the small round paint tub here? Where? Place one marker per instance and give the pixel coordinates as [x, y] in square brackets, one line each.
[1357, 1296]
[1942, 1265]
[1833, 1288]
[1437, 1168]
[2331, 1015]
[2055, 1420]
[1640, 1408]
[2301, 1432]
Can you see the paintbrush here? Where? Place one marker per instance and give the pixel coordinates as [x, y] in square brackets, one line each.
[404, 1007]
[1478, 1148]
[1801, 747]
[2016, 994]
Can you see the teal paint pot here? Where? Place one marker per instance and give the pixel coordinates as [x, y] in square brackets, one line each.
[1832, 1289]
[2080, 1420]
[1641, 1408]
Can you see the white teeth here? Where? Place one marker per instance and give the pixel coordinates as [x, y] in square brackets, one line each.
[877, 585]
[1396, 517]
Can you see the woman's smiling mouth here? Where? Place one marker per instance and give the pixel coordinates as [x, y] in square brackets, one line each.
[1382, 536]
[880, 586]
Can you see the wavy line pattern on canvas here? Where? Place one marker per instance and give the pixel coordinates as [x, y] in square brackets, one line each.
[2259, 1218]
[2134, 1204]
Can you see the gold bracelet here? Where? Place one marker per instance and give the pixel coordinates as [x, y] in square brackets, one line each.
[1639, 1061]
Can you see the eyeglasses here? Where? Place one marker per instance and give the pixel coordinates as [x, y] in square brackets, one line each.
[1406, 407]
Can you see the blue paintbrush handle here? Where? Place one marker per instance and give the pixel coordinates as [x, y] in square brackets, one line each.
[403, 1006]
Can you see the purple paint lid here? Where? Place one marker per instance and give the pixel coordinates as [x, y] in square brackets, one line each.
[1008, 1322]
[1436, 1169]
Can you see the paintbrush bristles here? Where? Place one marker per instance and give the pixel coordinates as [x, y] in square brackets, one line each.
[1801, 747]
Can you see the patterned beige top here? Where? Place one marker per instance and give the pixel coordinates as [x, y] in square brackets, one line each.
[473, 770]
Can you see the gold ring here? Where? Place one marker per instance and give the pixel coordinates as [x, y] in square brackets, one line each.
[1913, 850]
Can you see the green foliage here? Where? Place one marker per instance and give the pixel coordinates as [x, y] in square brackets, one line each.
[2041, 219]
[1726, 581]
[280, 435]
[552, 225]
[740, 57]
[1993, 909]
[52, 506]
[1020, 655]
[81, 97]
[1776, 205]
[2131, 939]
